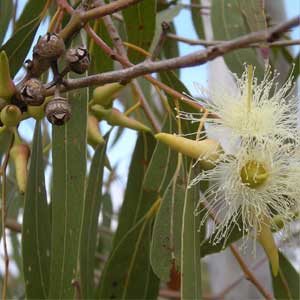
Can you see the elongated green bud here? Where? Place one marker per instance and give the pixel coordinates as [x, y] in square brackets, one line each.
[266, 239]
[11, 115]
[7, 86]
[20, 154]
[94, 136]
[207, 150]
[105, 94]
[115, 118]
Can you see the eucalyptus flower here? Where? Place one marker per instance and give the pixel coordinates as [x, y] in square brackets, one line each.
[251, 110]
[252, 187]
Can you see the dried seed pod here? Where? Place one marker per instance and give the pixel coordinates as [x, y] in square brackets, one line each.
[78, 59]
[33, 92]
[50, 46]
[58, 111]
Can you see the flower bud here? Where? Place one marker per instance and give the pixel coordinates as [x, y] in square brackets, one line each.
[266, 239]
[33, 92]
[207, 150]
[105, 94]
[7, 86]
[78, 59]
[115, 118]
[20, 154]
[94, 136]
[58, 111]
[11, 115]
[49, 46]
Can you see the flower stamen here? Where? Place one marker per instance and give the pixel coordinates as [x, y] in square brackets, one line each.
[253, 174]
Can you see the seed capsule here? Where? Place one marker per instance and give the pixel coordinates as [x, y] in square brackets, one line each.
[58, 111]
[49, 46]
[33, 92]
[78, 59]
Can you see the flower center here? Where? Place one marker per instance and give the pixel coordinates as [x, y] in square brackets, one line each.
[253, 174]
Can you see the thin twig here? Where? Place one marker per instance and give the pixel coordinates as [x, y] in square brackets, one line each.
[13, 225]
[165, 27]
[207, 43]
[3, 216]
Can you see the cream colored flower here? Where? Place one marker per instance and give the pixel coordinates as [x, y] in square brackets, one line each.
[259, 182]
[253, 109]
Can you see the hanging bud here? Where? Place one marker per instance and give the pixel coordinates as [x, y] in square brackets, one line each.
[33, 92]
[58, 111]
[50, 46]
[78, 59]
[115, 118]
[11, 115]
[20, 154]
[266, 239]
[104, 95]
[7, 86]
[94, 136]
[207, 150]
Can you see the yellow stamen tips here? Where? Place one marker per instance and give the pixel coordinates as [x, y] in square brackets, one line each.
[253, 174]
[250, 80]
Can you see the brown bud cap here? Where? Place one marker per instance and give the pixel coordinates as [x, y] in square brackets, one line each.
[33, 92]
[58, 111]
[49, 46]
[78, 59]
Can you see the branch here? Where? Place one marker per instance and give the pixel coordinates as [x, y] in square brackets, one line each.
[207, 43]
[193, 59]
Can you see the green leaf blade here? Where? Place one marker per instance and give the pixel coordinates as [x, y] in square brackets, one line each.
[36, 243]
[68, 194]
[90, 221]
[140, 25]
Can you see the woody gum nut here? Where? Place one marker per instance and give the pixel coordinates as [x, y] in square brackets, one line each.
[49, 46]
[78, 59]
[58, 111]
[11, 115]
[207, 150]
[33, 92]
[104, 95]
[20, 154]
[7, 86]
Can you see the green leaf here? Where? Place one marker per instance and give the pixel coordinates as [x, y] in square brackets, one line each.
[133, 207]
[166, 237]
[190, 248]
[128, 274]
[286, 284]
[19, 44]
[162, 164]
[140, 26]
[36, 241]
[234, 18]
[197, 19]
[100, 62]
[92, 207]
[6, 11]
[68, 194]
